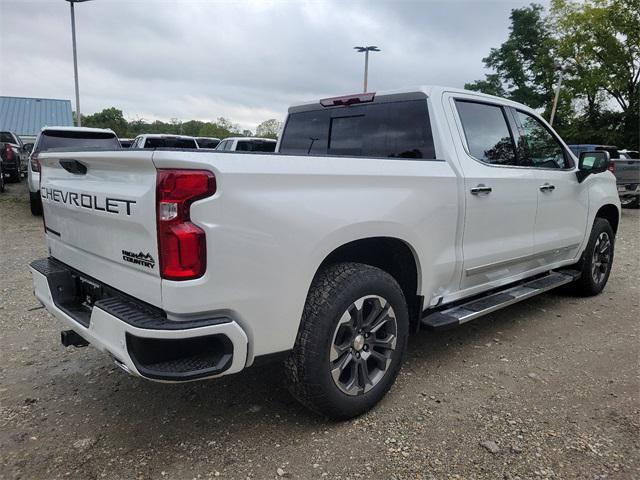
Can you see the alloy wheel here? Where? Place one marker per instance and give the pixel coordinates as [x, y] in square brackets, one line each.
[362, 345]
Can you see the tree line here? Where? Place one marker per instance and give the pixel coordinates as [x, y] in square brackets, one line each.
[596, 44]
[114, 119]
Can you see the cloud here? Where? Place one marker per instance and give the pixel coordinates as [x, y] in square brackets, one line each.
[246, 61]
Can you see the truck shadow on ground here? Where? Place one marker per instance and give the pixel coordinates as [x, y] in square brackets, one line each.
[257, 399]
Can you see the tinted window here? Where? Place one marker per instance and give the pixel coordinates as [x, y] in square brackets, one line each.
[126, 143]
[255, 146]
[208, 142]
[392, 129]
[7, 137]
[538, 146]
[168, 142]
[488, 137]
[75, 140]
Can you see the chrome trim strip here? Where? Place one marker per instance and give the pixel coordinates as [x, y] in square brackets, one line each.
[503, 263]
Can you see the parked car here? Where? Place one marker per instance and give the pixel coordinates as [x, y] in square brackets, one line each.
[125, 142]
[247, 144]
[207, 142]
[11, 154]
[630, 153]
[157, 140]
[381, 214]
[64, 139]
[626, 170]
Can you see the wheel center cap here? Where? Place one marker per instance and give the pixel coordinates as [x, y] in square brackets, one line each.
[358, 342]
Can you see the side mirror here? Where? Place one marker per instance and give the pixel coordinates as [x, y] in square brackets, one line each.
[592, 162]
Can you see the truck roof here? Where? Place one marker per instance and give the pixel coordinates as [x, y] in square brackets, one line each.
[78, 129]
[428, 90]
[250, 139]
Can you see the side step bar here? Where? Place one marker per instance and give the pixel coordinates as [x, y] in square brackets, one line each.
[465, 312]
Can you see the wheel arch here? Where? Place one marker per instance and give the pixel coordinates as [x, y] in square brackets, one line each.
[611, 214]
[391, 254]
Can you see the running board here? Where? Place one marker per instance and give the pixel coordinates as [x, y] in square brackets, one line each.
[463, 313]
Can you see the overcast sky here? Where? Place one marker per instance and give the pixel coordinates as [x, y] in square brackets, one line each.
[244, 60]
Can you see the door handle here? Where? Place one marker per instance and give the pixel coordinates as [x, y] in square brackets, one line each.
[481, 189]
[547, 187]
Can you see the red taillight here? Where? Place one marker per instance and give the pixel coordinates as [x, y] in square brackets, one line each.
[611, 167]
[8, 152]
[181, 244]
[35, 163]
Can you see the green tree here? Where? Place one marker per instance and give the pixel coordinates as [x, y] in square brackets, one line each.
[523, 65]
[108, 118]
[600, 41]
[269, 128]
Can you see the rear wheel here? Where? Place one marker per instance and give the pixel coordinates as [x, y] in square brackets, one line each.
[35, 202]
[597, 259]
[351, 341]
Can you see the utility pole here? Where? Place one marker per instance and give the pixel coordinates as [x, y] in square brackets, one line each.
[75, 59]
[560, 69]
[366, 51]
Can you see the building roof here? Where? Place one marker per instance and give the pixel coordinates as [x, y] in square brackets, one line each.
[26, 116]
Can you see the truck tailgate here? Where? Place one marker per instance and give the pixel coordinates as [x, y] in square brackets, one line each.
[627, 171]
[100, 217]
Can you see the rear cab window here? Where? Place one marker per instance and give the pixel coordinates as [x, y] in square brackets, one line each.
[169, 142]
[255, 146]
[76, 140]
[388, 129]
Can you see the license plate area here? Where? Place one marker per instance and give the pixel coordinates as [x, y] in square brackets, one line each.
[75, 294]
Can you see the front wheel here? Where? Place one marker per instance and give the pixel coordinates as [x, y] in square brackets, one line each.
[351, 341]
[597, 259]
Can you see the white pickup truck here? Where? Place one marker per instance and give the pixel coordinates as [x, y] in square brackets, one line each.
[378, 214]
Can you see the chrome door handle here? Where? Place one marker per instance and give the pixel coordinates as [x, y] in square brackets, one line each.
[547, 187]
[481, 189]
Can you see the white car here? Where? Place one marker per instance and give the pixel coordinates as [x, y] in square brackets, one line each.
[380, 214]
[64, 139]
[157, 140]
[247, 144]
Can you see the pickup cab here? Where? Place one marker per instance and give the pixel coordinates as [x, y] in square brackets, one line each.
[378, 214]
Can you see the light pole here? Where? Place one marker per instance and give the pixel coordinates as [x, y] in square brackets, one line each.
[560, 69]
[366, 51]
[75, 59]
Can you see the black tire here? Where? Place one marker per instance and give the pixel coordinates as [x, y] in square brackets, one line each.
[333, 295]
[1, 181]
[589, 283]
[14, 176]
[35, 202]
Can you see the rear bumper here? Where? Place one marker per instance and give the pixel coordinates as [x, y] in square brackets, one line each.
[629, 190]
[138, 337]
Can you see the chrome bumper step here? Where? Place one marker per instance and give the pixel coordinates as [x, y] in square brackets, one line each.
[470, 310]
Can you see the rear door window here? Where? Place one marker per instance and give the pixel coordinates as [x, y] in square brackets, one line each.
[487, 133]
[77, 140]
[379, 130]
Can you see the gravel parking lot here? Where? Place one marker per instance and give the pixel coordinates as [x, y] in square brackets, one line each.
[545, 389]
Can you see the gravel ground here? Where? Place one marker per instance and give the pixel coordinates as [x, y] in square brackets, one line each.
[548, 388]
